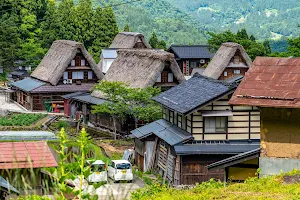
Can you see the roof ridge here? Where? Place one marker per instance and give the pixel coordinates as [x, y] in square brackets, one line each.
[225, 83]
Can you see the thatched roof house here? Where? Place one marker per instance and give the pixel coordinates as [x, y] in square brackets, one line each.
[58, 58]
[140, 68]
[230, 55]
[128, 40]
[67, 67]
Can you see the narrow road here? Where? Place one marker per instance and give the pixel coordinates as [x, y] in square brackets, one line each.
[119, 191]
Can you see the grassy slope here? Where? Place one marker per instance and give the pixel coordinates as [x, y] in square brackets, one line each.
[254, 189]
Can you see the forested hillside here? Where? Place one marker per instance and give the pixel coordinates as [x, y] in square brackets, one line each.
[265, 18]
[186, 21]
[167, 21]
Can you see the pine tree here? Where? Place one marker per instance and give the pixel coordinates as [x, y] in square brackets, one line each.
[50, 26]
[83, 22]
[104, 31]
[252, 38]
[153, 40]
[243, 34]
[126, 28]
[66, 20]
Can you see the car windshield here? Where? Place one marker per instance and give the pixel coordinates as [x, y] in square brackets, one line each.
[123, 166]
[98, 168]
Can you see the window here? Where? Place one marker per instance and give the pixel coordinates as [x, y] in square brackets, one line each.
[77, 75]
[236, 71]
[193, 64]
[82, 62]
[65, 75]
[73, 63]
[171, 117]
[90, 75]
[225, 73]
[158, 78]
[215, 124]
[170, 77]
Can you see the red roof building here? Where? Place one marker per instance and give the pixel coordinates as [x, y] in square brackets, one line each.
[273, 84]
[270, 82]
[21, 155]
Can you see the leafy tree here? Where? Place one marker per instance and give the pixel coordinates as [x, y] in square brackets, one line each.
[124, 101]
[126, 28]
[155, 43]
[253, 48]
[294, 47]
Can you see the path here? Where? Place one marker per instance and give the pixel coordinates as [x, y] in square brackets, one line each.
[119, 191]
[4, 105]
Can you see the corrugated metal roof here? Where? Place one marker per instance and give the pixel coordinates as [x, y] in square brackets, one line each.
[69, 96]
[270, 82]
[109, 53]
[28, 84]
[235, 159]
[191, 51]
[216, 148]
[7, 186]
[89, 99]
[194, 93]
[20, 155]
[164, 130]
[26, 135]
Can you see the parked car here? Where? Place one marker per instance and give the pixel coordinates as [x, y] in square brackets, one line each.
[119, 170]
[98, 171]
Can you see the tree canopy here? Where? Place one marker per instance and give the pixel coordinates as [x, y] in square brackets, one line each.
[125, 101]
[29, 27]
[252, 47]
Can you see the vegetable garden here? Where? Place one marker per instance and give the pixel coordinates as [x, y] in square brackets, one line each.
[20, 119]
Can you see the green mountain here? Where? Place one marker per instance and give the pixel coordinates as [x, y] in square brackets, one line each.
[262, 18]
[187, 21]
[168, 22]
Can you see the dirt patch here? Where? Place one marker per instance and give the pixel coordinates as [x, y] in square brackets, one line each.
[291, 179]
[113, 149]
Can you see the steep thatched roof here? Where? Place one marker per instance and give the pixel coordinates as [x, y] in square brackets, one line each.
[141, 67]
[128, 40]
[223, 57]
[58, 58]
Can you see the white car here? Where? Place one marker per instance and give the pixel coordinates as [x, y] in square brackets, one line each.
[120, 170]
[98, 172]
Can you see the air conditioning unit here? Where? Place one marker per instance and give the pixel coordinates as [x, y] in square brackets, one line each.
[202, 61]
[65, 81]
[69, 81]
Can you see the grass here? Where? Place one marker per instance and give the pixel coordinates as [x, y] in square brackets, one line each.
[266, 188]
[20, 119]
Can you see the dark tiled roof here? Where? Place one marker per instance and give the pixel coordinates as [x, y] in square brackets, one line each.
[164, 130]
[194, 93]
[88, 98]
[270, 82]
[235, 159]
[191, 51]
[84, 87]
[28, 84]
[216, 148]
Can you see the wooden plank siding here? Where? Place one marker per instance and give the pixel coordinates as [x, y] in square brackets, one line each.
[243, 125]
